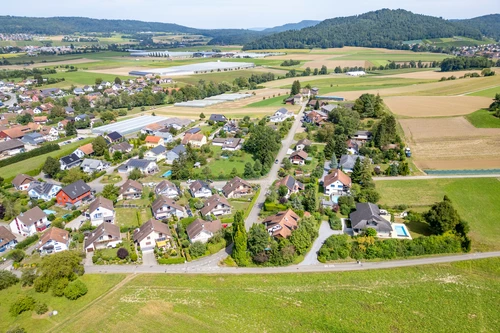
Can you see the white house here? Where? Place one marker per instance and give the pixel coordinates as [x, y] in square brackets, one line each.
[146, 167]
[216, 205]
[53, 240]
[130, 190]
[84, 150]
[157, 154]
[153, 234]
[200, 189]
[201, 231]
[101, 210]
[167, 189]
[90, 165]
[7, 239]
[44, 191]
[336, 183]
[70, 161]
[30, 222]
[164, 208]
[107, 235]
[281, 115]
[22, 182]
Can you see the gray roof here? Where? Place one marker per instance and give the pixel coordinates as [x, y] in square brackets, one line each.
[103, 229]
[194, 228]
[150, 226]
[165, 184]
[139, 164]
[367, 215]
[76, 189]
[329, 107]
[347, 161]
[281, 111]
[198, 185]
[180, 149]
[218, 118]
[193, 130]
[122, 146]
[91, 163]
[71, 159]
[113, 136]
[11, 144]
[41, 187]
[158, 150]
[31, 216]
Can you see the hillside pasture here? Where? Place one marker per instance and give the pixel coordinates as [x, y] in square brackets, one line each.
[432, 106]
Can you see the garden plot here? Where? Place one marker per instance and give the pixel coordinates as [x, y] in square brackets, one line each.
[435, 106]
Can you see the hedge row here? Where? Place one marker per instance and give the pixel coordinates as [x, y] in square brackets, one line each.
[171, 261]
[27, 242]
[272, 207]
[32, 153]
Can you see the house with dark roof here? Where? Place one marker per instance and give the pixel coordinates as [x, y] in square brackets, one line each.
[69, 110]
[7, 239]
[114, 137]
[90, 165]
[236, 188]
[43, 191]
[130, 190]
[201, 231]
[165, 208]
[281, 115]
[218, 118]
[363, 135]
[200, 189]
[282, 224]
[337, 183]
[74, 194]
[175, 153]
[230, 144]
[193, 130]
[168, 189]
[33, 139]
[101, 210]
[22, 182]
[107, 235]
[367, 215]
[157, 154]
[146, 167]
[347, 162]
[151, 234]
[53, 240]
[291, 184]
[70, 161]
[123, 147]
[29, 222]
[216, 205]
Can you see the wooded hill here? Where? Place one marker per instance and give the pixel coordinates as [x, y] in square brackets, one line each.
[489, 25]
[292, 26]
[382, 28]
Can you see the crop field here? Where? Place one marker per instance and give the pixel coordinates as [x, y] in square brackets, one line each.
[434, 106]
[483, 119]
[487, 92]
[80, 78]
[452, 143]
[274, 101]
[436, 298]
[431, 74]
[474, 199]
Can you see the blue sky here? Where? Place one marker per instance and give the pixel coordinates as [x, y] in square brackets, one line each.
[240, 14]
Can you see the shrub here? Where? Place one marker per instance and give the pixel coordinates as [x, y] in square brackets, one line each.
[335, 222]
[32, 153]
[197, 249]
[75, 290]
[7, 279]
[122, 253]
[42, 284]
[41, 308]
[133, 256]
[26, 242]
[16, 255]
[28, 277]
[22, 304]
[59, 287]
[171, 261]
[16, 329]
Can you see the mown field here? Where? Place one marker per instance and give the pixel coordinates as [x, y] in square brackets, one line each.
[274, 101]
[487, 92]
[476, 200]
[458, 297]
[483, 119]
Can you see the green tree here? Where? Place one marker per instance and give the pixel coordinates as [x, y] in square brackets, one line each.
[282, 191]
[24, 119]
[233, 173]
[257, 167]
[117, 156]
[99, 145]
[333, 162]
[98, 81]
[197, 249]
[73, 175]
[248, 172]
[329, 150]
[316, 105]
[7, 279]
[295, 88]
[22, 304]
[240, 254]
[75, 290]
[135, 174]
[70, 129]
[111, 192]
[442, 217]
[369, 106]
[51, 167]
[323, 70]
[264, 143]
[258, 239]
[202, 116]
[404, 169]
[341, 145]
[385, 131]
[118, 80]
[301, 240]
[356, 171]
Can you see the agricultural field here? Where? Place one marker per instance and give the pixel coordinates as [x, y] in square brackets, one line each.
[414, 299]
[475, 199]
[483, 119]
[487, 92]
[274, 101]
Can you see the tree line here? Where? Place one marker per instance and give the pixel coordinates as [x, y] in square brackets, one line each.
[464, 63]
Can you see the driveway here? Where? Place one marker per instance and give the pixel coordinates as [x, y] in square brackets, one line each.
[76, 223]
[325, 231]
[148, 259]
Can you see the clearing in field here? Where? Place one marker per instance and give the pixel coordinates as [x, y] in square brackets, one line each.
[475, 199]
[430, 106]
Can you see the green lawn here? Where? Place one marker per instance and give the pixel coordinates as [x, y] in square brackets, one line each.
[127, 217]
[483, 119]
[476, 200]
[80, 78]
[491, 92]
[220, 166]
[274, 101]
[458, 297]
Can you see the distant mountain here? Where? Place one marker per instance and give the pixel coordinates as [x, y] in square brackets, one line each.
[257, 29]
[292, 26]
[382, 28]
[489, 25]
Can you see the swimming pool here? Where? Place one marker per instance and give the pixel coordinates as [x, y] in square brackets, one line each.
[401, 231]
[48, 211]
[335, 198]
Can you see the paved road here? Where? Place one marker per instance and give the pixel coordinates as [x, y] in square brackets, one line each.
[266, 182]
[435, 177]
[325, 231]
[11, 101]
[192, 268]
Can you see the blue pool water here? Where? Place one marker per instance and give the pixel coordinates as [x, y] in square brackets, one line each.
[401, 231]
[335, 198]
[48, 211]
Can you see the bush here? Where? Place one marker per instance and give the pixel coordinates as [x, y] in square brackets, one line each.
[75, 290]
[122, 253]
[16, 255]
[41, 308]
[7, 279]
[272, 207]
[171, 261]
[26, 242]
[133, 256]
[22, 304]
[197, 249]
[59, 287]
[28, 277]
[335, 222]
[16, 329]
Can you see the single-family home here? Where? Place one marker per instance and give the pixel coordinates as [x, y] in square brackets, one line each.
[88, 89]
[165, 135]
[298, 99]
[123, 147]
[175, 153]
[352, 147]
[216, 205]
[337, 183]
[282, 224]
[7, 239]
[367, 215]
[230, 144]
[40, 120]
[168, 189]
[49, 133]
[114, 137]
[200, 189]
[363, 135]
[164, 208]
[53, 240]
[146, 167]
[218, 118]
[33, 139]
[130, 190]
[74, 194]
[302, 144]
[193, 130]
[69, 110]
[347, 162]
[43, 191]
[101, 210]
[62, 124]
[107, 235]
[316, 117]
[201, 231]
[22, 182]
[196, 140]
[177, 123]
[298, 157]
[153, 141]
[236, 188]
[29, 222]
[85, 150]
[11, 147]
[78, 92]
[90, 165]
[151, 128]
[70, 161]
[281, 115]
[157, 154]
[291, 184]
[15, 132]
[151, 234]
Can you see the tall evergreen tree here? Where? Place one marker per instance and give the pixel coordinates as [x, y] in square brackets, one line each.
[356, 171]
[329, 148]
[240, 254]
[333, 163]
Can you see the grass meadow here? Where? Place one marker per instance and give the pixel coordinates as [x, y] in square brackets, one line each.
[458, 297]
[475, 199]
[487, 92]
[274, 101]
[483, 119]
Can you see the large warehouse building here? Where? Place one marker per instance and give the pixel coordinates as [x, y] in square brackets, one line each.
[128, 126]
[201, 68]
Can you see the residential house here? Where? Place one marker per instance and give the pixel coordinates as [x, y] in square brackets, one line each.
[70, 161]
[53, 240]
[7, 239]
[69, 110]
[193, 130]
[175, 153]
[90, 165]
[22, 182]
[101, 210]
[298, 157]
[114, 137]
[74, 194]
[78, 92]
[200, 189]
[218, 118]
[151, 234]
[298, 99]
[201, 231]
[43, 191]
[327, 108]
[314, 91]
[153, 141]
[107, 235]
[157, 154]
[61, 126]
[316, 117]
[11, 147]
[293, 186]
[352, 147]
[196, 140]
[168, 189]
[302, 144]
[146, 167]
[347, 162]
[130, 190]
[177, 123]
[15, 132]
[165, 135]
[282, 224]
[33, 139]
[165, 208]
[231, 127]
[49, 133]
[216, 205]
[363, 135]
[40, 120]
[281, 115]
[88, 89]
[236, 188]
[230, 144]
[30, 222]
[337, 183]
[367, 215]
[123, 147]
[85, 150]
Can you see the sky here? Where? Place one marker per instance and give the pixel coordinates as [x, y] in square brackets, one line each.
[238, 13]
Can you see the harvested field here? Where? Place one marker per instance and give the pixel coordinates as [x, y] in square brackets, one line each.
[432, 74]
[193, 113]
[55, 63]
[432, 106]
[331, 64]
[121, 71]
